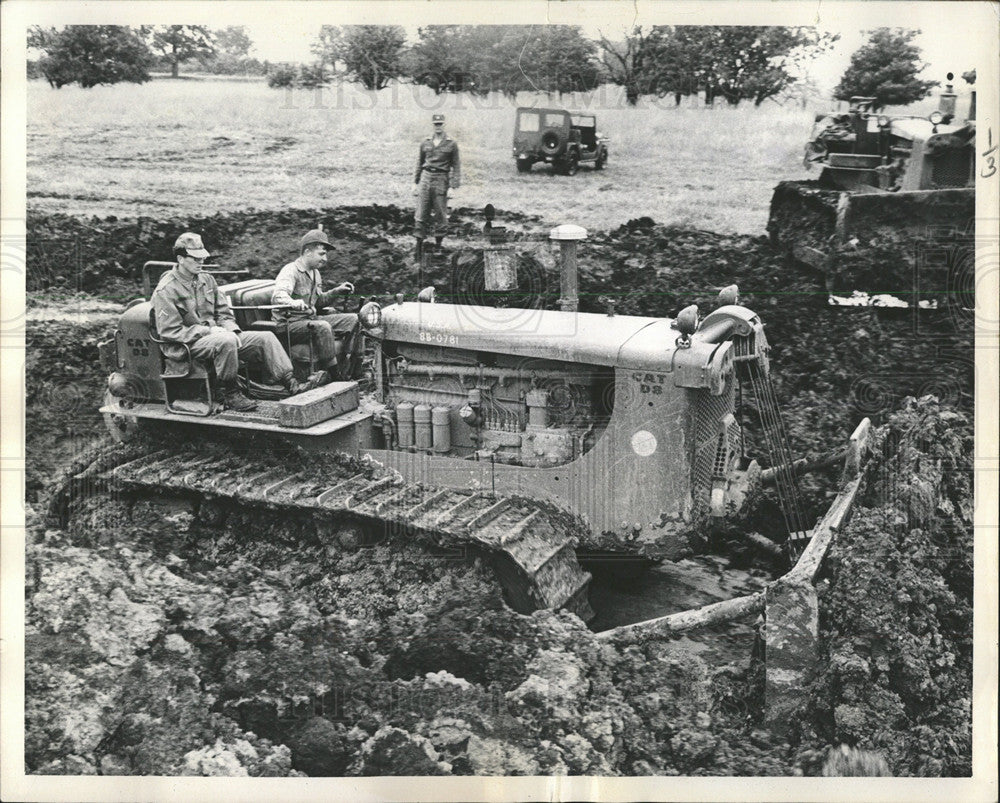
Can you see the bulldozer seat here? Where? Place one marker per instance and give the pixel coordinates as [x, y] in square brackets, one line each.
[187, 382]
[251, 293]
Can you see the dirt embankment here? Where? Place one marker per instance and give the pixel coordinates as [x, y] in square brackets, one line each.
[152, 649]
[157, 645]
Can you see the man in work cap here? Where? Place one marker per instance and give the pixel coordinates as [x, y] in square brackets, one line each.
[300, 286]
[438, 170]
[190, 309]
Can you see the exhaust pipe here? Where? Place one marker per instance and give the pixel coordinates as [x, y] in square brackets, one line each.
[946, 103]
[568, 235]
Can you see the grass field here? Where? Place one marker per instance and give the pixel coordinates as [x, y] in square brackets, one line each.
[198, 147]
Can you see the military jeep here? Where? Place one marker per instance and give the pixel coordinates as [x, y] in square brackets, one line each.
[560, 138]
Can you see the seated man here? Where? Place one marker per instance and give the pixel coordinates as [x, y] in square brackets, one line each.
[300, 285]
[190, 309]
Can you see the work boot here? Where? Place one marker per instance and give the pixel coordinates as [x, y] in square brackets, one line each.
[294, 387]
[316, 379]
[233, 399]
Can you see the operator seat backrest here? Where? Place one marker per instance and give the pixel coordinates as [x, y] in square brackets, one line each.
[250, 293]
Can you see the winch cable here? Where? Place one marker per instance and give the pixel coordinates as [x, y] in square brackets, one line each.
[779, 452]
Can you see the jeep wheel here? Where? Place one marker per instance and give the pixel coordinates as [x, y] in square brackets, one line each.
[524, 165]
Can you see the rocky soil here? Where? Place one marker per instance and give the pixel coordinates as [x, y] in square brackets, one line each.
[153, 648]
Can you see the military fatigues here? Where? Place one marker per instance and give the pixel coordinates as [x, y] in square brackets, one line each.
[434, 164]
[295, 281]
[185, 312]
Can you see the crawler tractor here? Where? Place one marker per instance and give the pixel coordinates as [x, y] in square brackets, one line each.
[885, 181]
[523, 435]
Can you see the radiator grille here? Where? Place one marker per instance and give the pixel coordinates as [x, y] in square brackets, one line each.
[951, 169]
[714, 447]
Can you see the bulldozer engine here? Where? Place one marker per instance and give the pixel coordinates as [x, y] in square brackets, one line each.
[629, 420]
[868, 152]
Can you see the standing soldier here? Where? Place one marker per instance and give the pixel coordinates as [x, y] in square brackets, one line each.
[438, 169]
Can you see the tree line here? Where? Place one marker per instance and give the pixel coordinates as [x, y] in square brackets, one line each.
[90, 55]
[727, 63]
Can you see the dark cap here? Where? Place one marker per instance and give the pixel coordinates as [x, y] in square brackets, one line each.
[437, 118]
[313, 237]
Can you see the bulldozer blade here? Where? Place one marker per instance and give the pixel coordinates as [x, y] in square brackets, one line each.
[874, 241]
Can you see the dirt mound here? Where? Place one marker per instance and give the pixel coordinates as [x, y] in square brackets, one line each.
[64, 387]
[280, 655]
[372, 246]
[896, 612]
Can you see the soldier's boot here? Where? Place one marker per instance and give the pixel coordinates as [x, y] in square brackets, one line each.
[437, 245]
[418, 252]
[318, 378]
[233, 399]
[294, 387]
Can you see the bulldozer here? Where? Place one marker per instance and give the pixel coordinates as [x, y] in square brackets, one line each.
[895, 184]
[535, 439]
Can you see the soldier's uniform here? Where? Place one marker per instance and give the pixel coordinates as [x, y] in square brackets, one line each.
[438, 168]
[297, 281]
[186, 309]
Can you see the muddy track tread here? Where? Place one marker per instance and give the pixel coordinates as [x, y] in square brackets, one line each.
[529, 544]
[84, 475]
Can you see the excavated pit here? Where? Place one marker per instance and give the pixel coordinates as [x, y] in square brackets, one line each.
[283, 654]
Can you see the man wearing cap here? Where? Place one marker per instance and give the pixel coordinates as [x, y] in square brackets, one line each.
[438, 169]
[190, 309]
[300, 286]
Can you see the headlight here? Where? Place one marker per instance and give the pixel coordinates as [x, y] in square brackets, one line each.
[883, 121]
[371, 315]
[687, 320]
[118, 385]
[935, 118]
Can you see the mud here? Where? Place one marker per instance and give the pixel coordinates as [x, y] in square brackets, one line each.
[153, 649]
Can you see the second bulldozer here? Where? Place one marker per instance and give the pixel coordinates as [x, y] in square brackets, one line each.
[890, 188]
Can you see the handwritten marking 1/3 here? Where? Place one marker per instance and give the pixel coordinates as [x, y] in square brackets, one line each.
[991, 161]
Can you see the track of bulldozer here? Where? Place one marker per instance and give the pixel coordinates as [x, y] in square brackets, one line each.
[529, 544]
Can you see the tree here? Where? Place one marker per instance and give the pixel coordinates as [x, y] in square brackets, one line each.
[371, 54]
[629, 63]
[91, 54]
[505, 58]
[39, 38]
[885, 68]
[445, 58]
[758, 62]
[737, 62]
[180, 43]
[233, 41]
[232, 53]
[543, 58]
